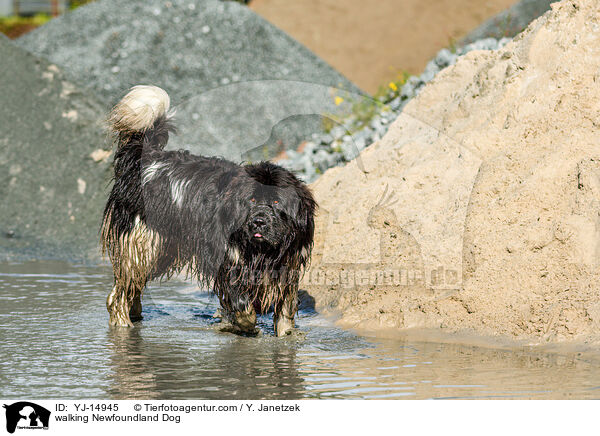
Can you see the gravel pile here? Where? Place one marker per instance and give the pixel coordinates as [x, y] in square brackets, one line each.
[345, 141]
[51, 161]
[183, 46]
[509, 22]
[231, 75]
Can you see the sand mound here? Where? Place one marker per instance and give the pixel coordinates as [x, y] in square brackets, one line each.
[479, 210]
[52, 189]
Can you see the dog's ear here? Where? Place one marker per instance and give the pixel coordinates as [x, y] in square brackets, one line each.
[305, 221]
[233, 214]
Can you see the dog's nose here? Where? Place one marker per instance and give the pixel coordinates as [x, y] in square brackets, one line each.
[259, 222]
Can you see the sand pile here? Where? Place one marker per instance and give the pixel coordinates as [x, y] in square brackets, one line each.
[52, 190]
[479, 210]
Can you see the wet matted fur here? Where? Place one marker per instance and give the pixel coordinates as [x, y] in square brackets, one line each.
[244, 231]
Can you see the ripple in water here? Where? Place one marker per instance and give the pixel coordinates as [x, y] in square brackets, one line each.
[56, 343]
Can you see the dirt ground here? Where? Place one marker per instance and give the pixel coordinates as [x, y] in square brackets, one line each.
[371, 41]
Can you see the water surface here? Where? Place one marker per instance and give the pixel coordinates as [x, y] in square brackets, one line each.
[55, 343]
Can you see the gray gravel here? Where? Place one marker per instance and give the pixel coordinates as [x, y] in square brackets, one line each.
[510, 22]
[51, 189]
[184, 46]
[232, 76]
[343, 143]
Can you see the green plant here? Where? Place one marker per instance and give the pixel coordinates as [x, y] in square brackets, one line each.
[452, 44]
[15, 25]
[74, 4]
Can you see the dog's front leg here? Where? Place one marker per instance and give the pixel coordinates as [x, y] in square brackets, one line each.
[285, 311]
[239, 311]
[245, 319]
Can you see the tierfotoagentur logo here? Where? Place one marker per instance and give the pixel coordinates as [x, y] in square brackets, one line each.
[26, 416]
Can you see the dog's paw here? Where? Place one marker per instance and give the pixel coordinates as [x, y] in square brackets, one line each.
[227, 327]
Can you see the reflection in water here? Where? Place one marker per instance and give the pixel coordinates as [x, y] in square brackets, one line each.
[55, 343]
[237, 367]
[133, 374]
[394, 369]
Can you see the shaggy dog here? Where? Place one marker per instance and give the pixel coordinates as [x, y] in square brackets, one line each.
[244, 231]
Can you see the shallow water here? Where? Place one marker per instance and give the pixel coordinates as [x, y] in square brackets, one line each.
[55, 343]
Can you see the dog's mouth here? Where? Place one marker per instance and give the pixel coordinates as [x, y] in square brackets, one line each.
[258, 235]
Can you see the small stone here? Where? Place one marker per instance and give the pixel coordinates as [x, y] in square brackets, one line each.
[14, 169]
[81, 185]
[395, 103]
[326, 139]
[100, 155]
[445, 58]
[71, 115]
[337, 132]
[430, 71]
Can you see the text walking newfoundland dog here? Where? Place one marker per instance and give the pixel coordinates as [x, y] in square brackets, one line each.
[245, 231]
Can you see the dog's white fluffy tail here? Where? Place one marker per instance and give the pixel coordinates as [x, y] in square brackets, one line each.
[139, 109]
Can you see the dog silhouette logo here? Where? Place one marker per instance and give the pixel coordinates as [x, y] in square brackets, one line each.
[25, 415]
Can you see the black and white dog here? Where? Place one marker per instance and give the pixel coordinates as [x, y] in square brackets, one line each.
[245, 231]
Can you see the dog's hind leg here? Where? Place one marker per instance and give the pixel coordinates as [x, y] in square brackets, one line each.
[124, 303]
[133, 263]
[135, 312]
[118, 307]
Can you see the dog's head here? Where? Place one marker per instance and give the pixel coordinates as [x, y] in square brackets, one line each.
[271, 215]
[280, 210]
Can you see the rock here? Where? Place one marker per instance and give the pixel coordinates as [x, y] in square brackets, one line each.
[232, 77]
[444, 58]
[430, 71]
[410, 87]
[53, 191]
[478, 210]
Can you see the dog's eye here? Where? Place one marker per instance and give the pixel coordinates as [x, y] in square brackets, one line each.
[276, 202]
